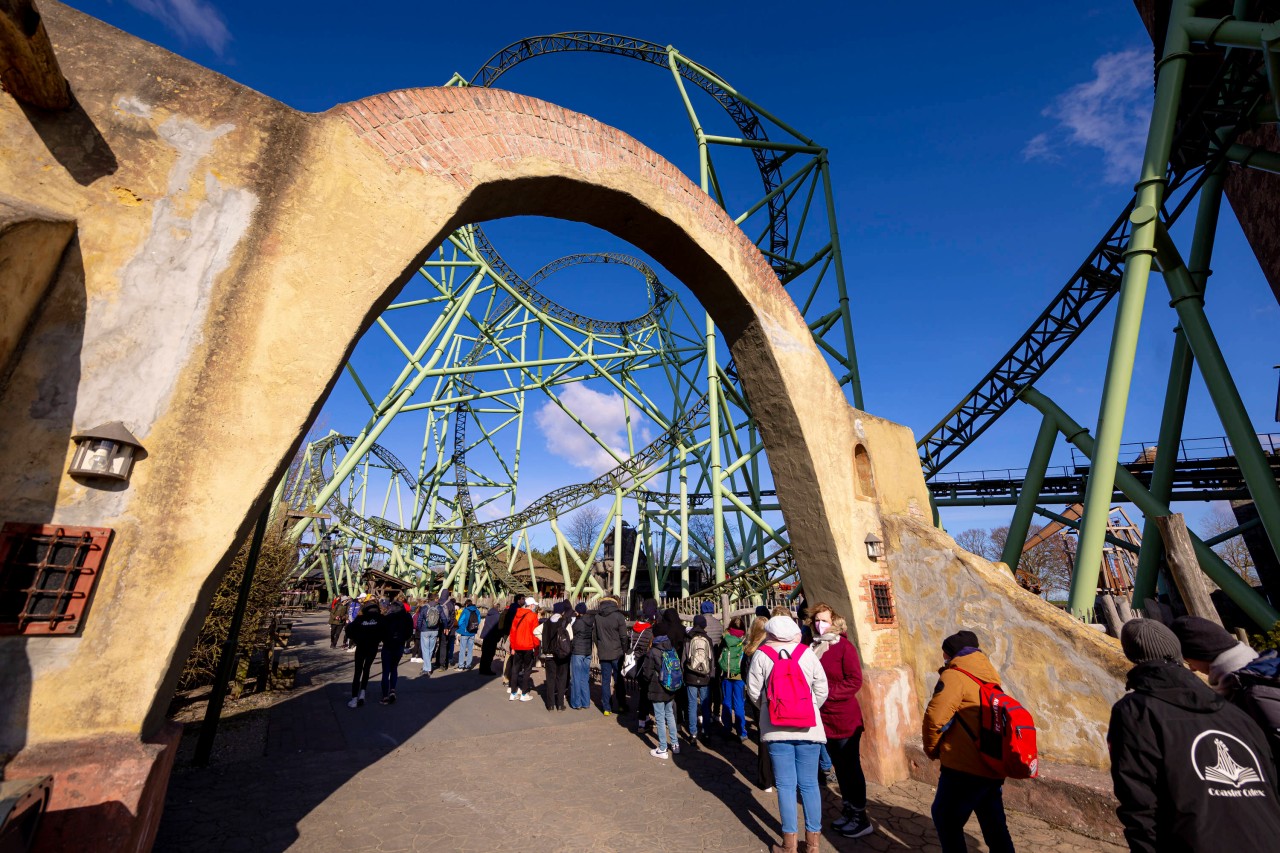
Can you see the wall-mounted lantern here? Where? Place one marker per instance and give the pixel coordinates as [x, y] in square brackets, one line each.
[107, 451]
[875, 546]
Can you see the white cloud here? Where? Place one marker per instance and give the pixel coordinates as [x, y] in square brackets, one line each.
[603, 413]
[191, 19]
[1111, 112]
[1038, 148]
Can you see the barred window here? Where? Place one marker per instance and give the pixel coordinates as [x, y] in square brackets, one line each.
[882, 602]
[47, 575]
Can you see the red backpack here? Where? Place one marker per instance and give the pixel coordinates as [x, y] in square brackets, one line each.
[1006, 738]
[788, 693]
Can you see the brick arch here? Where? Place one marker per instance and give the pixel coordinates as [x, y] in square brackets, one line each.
[511, 155]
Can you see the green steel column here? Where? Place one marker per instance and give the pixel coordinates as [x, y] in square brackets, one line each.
[1236, 588]
[1175, 410]
[713, 409]
[842, 290]
[617, 541]
[1175, 395]
[1133, 290]
[1027, 498]
[684, 525]
[1188, 301]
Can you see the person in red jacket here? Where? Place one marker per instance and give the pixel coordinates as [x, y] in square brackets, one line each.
[523, 644]
[842, 717]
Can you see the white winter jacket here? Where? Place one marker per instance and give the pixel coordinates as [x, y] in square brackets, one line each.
[758, 678]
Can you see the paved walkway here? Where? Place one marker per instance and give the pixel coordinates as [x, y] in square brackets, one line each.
[454, 766]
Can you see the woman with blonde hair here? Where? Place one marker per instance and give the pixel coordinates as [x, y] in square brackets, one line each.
[755, 636]
[842, 717]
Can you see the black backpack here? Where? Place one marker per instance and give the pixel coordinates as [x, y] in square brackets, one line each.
[473, 621]
[555, 639]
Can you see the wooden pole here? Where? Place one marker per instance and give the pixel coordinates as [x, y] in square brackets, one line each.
[1105, 606]
[1185, 568]
[28, 68]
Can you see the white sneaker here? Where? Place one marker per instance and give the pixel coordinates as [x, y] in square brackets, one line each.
[415, 660]
[659, 753]
[354, 703]
[526, 697]
[513, 697]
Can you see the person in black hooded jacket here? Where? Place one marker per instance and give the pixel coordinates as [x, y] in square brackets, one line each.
[670, 626]
[1191, 770]
[584, 623]
[610, 633]
[662, 699]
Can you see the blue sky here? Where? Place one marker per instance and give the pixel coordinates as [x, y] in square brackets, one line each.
[978, 155]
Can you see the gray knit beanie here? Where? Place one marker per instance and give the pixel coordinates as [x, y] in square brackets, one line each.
[1146, 640]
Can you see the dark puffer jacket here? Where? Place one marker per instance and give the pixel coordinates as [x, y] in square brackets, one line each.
[397, 624]
[610, 631]
[1191, 770]
[583, 634]
[651, 671]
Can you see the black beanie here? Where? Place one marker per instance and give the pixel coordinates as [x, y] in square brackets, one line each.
[699, 621]
[1202, 639]
[959, 640]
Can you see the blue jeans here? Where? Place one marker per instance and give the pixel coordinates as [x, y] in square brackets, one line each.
[446, 649]
[795, 763]
[961, 794]
[429, 640]
[665, 715]
[607, 670]
[699, 698]
[466, 648]
[733, 698]
[824, 760]
[391, 654]
[579, 681]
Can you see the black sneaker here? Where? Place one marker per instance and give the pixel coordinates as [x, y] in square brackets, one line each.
[858, 826]
[385, 700]
[391, 700]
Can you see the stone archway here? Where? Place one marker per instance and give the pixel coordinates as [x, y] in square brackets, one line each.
[234, 251]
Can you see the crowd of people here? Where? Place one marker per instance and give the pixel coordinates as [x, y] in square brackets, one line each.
[1193, 764]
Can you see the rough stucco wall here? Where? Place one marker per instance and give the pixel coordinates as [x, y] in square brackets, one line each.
[1067, 674]
[229, 253]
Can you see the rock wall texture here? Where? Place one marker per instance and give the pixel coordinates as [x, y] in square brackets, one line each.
[1066, 673]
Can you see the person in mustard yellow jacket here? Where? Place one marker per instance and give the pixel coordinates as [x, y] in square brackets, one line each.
[951, 725]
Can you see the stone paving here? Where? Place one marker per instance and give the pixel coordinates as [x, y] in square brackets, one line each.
[454, 766]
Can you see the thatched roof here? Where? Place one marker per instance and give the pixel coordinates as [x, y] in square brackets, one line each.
[543, 573]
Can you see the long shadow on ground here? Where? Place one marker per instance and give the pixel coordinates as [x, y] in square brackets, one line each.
[315, 745]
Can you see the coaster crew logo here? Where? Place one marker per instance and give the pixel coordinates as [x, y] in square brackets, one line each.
[1226, 776]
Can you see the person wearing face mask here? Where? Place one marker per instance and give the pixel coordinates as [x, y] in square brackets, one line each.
[842, 717]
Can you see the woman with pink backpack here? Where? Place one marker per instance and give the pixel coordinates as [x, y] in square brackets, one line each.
[787, 683]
